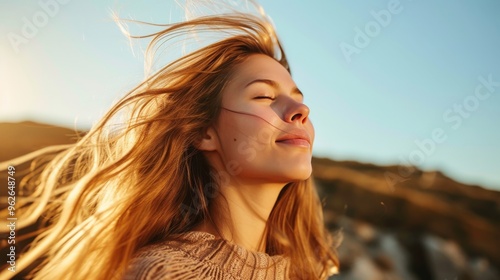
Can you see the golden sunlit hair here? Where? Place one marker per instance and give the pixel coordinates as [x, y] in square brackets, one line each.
[125, 185]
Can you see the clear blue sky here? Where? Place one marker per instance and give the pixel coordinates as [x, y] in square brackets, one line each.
[379, 76]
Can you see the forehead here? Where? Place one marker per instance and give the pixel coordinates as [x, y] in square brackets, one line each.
[259, 66]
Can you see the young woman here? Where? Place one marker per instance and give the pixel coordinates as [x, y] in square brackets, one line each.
[208, 177]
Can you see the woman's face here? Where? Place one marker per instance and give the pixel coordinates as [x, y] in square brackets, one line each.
[263, 132]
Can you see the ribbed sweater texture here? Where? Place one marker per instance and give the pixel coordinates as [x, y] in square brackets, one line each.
[200, 255]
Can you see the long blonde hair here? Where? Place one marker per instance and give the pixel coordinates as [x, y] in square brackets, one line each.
[120, 187]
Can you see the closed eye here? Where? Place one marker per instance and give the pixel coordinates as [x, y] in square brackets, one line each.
[264, 97]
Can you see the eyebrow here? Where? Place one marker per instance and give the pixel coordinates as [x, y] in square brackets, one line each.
[273, 84]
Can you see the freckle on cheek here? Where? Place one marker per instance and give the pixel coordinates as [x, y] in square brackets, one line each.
[234, 139]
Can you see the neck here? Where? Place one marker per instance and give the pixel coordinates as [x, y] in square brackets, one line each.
[240, 213]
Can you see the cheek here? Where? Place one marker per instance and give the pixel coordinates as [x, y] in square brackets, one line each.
[233, 130]
[252, 124]
[253, 131]
[243, 139]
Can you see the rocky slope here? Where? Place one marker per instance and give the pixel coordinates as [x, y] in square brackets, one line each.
[410, 225]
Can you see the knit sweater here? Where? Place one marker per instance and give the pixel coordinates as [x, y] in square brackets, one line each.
[200, 255]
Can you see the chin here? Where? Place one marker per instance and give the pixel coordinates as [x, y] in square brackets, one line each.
[298, 175]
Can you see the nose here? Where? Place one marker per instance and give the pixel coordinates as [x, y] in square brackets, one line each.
[297, 112]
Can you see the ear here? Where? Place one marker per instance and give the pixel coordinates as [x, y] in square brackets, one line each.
[208, 141]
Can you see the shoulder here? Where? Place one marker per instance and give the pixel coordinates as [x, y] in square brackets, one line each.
[162, 261]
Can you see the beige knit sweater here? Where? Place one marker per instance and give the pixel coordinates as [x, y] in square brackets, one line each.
[201, 255]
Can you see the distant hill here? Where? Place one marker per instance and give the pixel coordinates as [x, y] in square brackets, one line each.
[20, 138]
[423, 204]
[397, 223]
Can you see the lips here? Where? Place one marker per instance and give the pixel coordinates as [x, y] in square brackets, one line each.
[295, 138]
